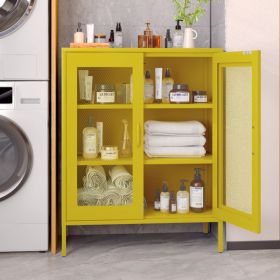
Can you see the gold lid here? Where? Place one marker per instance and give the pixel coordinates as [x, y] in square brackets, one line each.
[109, 148]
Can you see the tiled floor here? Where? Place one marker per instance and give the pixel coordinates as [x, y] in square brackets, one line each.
[148, 257]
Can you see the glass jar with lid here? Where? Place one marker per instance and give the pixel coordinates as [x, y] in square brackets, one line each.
[105, 94]
[180, 94]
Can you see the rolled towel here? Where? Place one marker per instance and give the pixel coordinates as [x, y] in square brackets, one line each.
[174, 128]
[180, 152]
[174, 141]
[95, 179]
[120, 177]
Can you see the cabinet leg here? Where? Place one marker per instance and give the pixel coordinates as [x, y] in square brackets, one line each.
[205, 227]
[220, 237]
[63, 240]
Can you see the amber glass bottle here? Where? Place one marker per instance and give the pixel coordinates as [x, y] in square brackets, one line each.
[197, 193]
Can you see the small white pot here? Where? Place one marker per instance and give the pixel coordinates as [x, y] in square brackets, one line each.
[189, 36]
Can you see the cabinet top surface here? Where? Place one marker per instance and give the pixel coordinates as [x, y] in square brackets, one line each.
[143, 50]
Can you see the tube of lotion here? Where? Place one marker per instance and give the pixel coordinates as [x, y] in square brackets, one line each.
[99, 127]
[88, 88]
[82, 83]
[158, 95]
[90, 32]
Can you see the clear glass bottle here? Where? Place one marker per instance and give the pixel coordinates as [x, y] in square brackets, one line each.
[168, 39]
[183, 199]
[167, 86]
[157, 200]
[164, 199]
[148, 88]
[178, 37]
[112, 39]
[125, 147]
[118, 36]
[90, 140]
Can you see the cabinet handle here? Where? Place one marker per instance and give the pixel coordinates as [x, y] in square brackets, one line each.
[138, 135]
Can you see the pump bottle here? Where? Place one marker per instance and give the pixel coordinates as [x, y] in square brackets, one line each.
[197, 193]
[167, 86]
[79, 36]
[164, 199]
[183, 199]
[118, 36]
[178, 37]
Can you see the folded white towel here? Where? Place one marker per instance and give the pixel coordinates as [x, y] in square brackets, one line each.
[174, 128]
[195, 151]
[174, 141]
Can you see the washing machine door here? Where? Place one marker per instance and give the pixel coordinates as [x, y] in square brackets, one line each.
[15, 157]
[13, 13]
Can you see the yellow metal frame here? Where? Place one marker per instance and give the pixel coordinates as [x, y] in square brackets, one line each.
[73, 215]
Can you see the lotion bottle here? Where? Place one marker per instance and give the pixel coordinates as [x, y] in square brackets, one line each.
[79, 36]
[90, 140]
[164, 199]
[178, 37]
[197, 194]
[167, 86]
[183, 199]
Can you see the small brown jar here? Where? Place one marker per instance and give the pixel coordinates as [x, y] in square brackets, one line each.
[180, 94]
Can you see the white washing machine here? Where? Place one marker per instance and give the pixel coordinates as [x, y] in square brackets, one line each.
[24, 196]
[24, 40]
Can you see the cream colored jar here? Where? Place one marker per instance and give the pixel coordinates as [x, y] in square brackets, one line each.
[109, 153]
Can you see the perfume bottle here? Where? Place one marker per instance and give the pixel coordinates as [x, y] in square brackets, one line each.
[168, 39]
[125, 147]
[111, 39]
[119, 36]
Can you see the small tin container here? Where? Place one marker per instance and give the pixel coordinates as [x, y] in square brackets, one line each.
[109, 153]
[180, 94]
[199, 96]
[100, 38]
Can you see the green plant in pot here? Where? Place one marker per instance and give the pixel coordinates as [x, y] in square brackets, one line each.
[189, 11]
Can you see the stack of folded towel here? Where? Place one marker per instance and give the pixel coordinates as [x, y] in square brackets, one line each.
[174, 139]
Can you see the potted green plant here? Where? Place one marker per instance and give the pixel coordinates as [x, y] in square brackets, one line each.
[189, 12]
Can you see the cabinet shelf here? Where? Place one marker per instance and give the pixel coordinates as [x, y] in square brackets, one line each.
[98, 161]
[179, 106]
[208, 159]
[104, 106]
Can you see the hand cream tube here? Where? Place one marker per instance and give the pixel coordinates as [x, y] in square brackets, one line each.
[88, 88]
[90, 33]
[158, 93]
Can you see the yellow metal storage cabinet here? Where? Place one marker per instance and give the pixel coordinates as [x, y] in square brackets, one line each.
[231, 117]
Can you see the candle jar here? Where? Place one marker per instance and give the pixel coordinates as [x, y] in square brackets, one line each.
[156, 41]
[179, 94]
[105, 93]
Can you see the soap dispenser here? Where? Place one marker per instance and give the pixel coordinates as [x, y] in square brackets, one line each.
[178, 37]
[118, 36]
[183, 199]
[164, 199]
[197, 192]
[148, 36]
[79, 36]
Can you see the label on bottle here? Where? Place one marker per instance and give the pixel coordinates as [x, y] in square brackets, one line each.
[164, 203]
[178, 40]
[166, 88]
[200, 99]
[118, 40]
[196, 197]
[149, 92]
[173, 207]
[157, 205]
[90, 144]
[180, 97]
[183, 204]
[105, 97]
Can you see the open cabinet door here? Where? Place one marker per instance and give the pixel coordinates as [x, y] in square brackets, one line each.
[237, 77]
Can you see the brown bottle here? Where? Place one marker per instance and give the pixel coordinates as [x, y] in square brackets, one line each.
[197, 193]
[148, 36]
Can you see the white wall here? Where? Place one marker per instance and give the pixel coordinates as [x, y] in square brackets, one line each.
[250, 25]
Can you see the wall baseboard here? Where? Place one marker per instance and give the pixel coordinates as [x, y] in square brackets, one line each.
[253, 245]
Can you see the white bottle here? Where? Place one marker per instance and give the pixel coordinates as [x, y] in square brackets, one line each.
[164, 199]
[118, 36]
[79, 36]
[149, 88]
[167, 86]
[90, 141]
[183, 199]
[178, 37]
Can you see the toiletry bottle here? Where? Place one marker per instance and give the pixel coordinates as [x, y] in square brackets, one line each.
[157, 200]
[168, 39]
[149, 88]
[79, 36]
[148, 36]
[167, 86]
[197, 193]
[172, 204]
[118, 36]
[178, 37]
[125, 148]
[111, 39]
[164, 199]
[158, 91]
[90, 140]
[183, 199]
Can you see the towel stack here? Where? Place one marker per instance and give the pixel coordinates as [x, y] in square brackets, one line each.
[174, 139]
